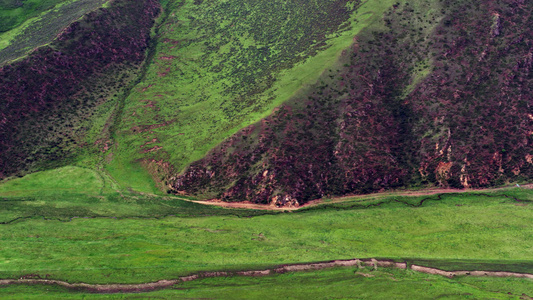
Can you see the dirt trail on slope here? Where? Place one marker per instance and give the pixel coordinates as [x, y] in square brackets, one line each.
[426, 192]
[162, 284]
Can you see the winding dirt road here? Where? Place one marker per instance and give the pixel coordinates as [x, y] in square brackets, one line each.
[425, 192]
[162, 284]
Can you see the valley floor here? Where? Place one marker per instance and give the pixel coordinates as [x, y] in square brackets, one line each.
[84, 234]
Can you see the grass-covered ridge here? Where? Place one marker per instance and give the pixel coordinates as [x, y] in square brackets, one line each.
[15, 12]
[221, 65]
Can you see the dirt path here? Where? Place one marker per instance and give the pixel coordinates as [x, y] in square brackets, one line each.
[162, 284]
[426, 192]
[451, 274]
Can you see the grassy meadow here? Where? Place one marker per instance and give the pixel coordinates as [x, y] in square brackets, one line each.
[68, 192]
[130, 240]
[79, 225]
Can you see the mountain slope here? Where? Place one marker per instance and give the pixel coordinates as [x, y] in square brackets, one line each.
[220, 66]
[49, 100]
[440, 95]
[279, 102]
[28, 24]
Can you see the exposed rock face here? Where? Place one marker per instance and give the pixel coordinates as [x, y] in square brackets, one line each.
[441, 100]
[46, 98]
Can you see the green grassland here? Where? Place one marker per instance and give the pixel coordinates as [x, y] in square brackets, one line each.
[343, 283]
[63, 179]
[36, 22]
[82, 192]
[455, 231]
[220, 66]
[77, 224]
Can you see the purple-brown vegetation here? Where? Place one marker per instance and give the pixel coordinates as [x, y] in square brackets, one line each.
[370, 126]
[479, 97]
[45, 97]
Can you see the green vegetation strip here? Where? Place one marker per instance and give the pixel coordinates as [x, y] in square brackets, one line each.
[54, 195]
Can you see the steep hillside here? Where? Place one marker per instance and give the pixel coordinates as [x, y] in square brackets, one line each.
[474, 112]
[440, 94]
[220, 66]
[28, 24]
[278, 102]
[51, 103]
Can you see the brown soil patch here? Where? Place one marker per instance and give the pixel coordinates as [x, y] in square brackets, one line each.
[452, 274]
[243, 205]
[153, 149]
[144, 89]
[154, 140]
[364, 274]
[145, 128]
[170, 57]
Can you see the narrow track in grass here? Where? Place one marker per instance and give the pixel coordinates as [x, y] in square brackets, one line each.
[358, 198]
[35, 279]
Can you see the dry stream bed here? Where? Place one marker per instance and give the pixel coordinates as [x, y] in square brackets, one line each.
[162, 284]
